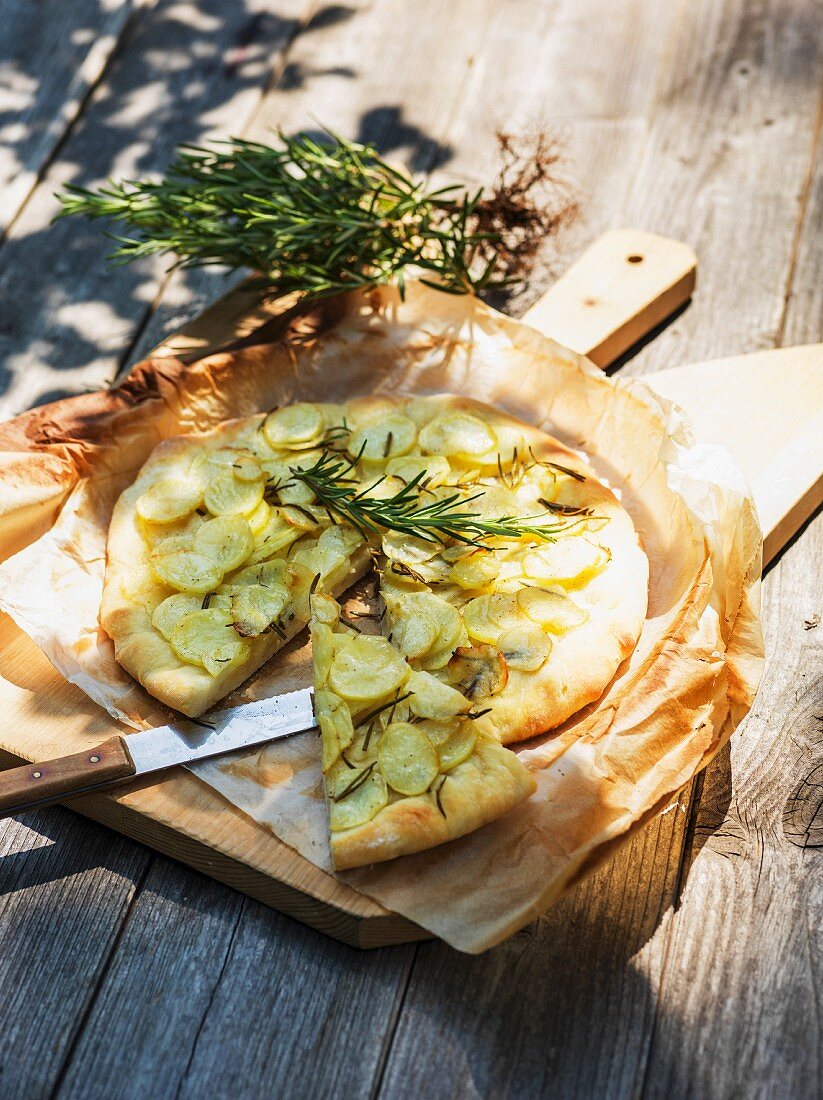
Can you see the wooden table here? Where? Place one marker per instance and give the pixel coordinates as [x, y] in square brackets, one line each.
[693, 964]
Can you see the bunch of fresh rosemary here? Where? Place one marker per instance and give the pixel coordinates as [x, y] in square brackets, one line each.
[331, 481]
[305, 216]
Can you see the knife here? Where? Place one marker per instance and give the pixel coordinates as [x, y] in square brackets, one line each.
[122, 758]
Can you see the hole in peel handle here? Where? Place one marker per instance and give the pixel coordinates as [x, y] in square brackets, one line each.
[40, 784]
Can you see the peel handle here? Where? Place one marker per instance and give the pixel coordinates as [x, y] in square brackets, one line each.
[625, 284]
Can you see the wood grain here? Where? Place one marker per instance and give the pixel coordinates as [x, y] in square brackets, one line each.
[65, 888]
[725, 167]
[183, 71]
[178, 815]
[625, 284]
[743, 978]
[766, 410]
[39, 102]
[562, 1009]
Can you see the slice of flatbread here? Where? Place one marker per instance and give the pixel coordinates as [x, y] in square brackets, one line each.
[405, 765]
[209, 567]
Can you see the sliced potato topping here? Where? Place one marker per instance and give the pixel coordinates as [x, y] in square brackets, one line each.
[295, 492]
[367, 795]
[246, 467]
[227, 495]
[414, 634]
[570, 562]
[367, 669]
[226, 540]
[276, 535]
[265, 573]
[486, 616]
[255, 607]
[525, 648]
[169, 499]
[366, 410]
[431, 698]
[479, 671]
[341, 536]
[205, 638]
[478, 569]
[407, 758]
[173, 610]
[324, 609]
[302, 517]
[422, 622]
[434, 469]
[258, 518]
[330, 556]
[407, 548]
[155, 534]
[457, 747]
[299, 580]
[459, 434]
[187, 570]
[210, 463]
[334, 720]
[381, 487]
[496, 501]
[551, 610]
[322, 647]
[385, 438]
[298, 425]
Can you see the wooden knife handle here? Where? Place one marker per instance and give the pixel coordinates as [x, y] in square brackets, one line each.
[33, 785]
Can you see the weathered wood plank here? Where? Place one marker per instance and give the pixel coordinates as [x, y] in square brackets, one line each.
[320, 1011]
[592, 969]
[186, 70]
[337, 75]
[564, 1008]
[52, 55]
[512, 67]
[803, 319]
[150, 1005]
[256, 1005]
[65, 888]
[740, 1001]
[726, 166]
[655, 201]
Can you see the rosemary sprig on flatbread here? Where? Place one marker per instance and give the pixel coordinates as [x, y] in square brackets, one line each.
[332, 481]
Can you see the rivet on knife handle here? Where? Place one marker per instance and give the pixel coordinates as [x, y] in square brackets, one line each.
[33, 785]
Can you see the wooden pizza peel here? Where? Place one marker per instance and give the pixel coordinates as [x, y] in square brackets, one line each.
[765, 408]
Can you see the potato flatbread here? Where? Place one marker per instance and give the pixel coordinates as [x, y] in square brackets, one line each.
[215, 549]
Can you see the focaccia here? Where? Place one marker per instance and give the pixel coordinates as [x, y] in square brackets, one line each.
[215, 549]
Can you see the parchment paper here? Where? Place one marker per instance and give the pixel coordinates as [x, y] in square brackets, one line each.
[668, 710]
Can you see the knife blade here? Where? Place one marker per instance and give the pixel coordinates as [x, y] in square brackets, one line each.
[119, 759]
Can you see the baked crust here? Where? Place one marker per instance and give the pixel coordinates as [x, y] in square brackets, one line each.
[486, 786]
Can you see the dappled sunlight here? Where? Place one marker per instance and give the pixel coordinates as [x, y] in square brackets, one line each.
[183, 72]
